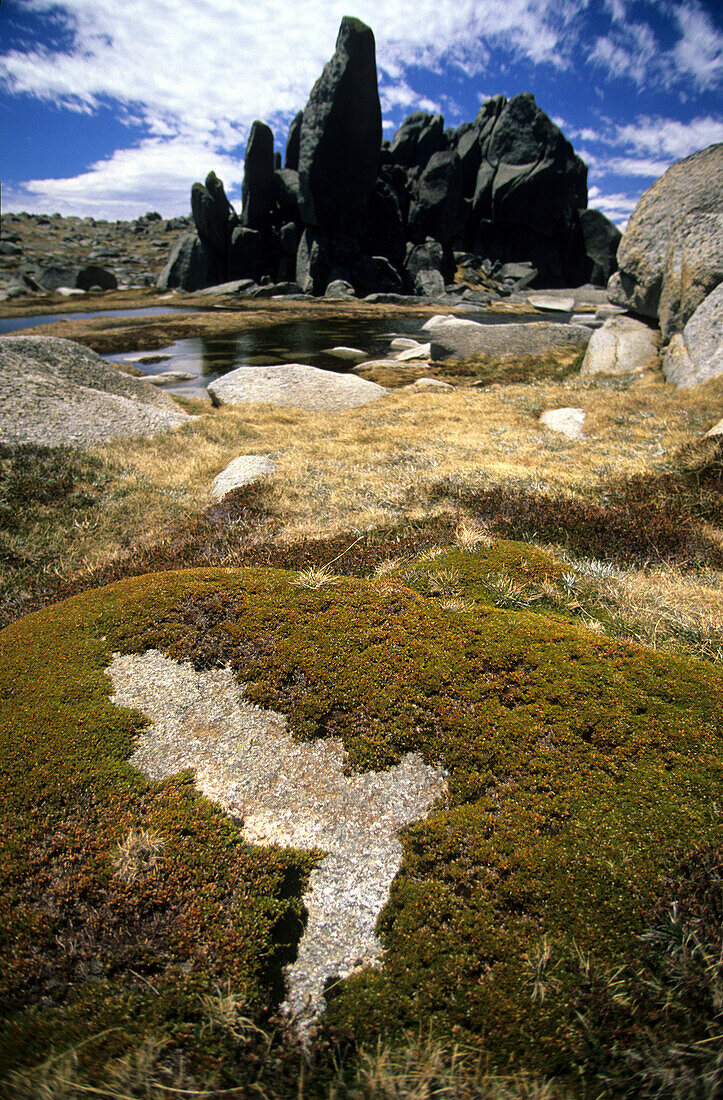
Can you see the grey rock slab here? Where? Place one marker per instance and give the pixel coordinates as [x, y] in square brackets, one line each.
[547, 301]
[457, 338]
[671, 254]
[296, 385]
[567, 421]
[696, 355]
[717, 429]
[236, 286]
[421, 351]
[56, 392]
[244, 470]
[168, 378]
[403, 343]
[622, 346]
[286, 792]
[428, 385]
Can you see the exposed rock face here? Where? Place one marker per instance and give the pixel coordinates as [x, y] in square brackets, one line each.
[341, 135]
[671, 255]
[455, 338]
[293, 142]
[696, 355]
[622, 346]
[417, 140]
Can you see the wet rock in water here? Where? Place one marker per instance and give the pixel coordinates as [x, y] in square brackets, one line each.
[244, 470]
[341, 135]
[696, 354]
[294, 384]
[456, 338]
[671, 254]
[622, 346]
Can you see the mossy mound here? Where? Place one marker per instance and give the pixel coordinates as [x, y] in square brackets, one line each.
[579, 769]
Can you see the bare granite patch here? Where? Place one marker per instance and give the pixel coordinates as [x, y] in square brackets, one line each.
[285, 792]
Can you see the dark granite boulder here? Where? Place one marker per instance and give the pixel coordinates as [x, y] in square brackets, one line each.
[420, 136]
[601, 238]
[428, 256]
[245, 254]
[291, 155]
[192, 265]
[287, 195]
[259, 184]
[341, 136]
[438, 208]
[213, 214]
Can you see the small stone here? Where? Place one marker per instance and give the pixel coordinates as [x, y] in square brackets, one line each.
[244, 470]
[568, 421]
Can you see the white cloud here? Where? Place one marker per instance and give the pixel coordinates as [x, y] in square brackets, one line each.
[631, 49]
[669, 138]
[699, 53]
[155, 175]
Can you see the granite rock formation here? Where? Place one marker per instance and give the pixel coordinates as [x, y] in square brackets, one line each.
[388, 217]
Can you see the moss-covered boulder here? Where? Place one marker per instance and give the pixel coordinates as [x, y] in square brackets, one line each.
[579, 768]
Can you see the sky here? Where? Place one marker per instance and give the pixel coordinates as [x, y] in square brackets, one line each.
[110, 110]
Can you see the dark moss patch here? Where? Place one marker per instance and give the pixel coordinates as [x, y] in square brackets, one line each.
[577, 766]
[651, 517]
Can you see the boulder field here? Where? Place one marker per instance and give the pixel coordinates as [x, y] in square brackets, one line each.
[351, 210]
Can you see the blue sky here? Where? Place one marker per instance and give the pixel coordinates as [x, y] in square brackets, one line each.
[113, 109]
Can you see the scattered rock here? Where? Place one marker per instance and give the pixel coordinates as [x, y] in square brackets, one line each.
[622, 346]
[568, 421]
[57, 393]
[696, 354]
[456, 338]
[244, 470]
[421, 351]
[428, 385]
[671, 254]
[294, 384]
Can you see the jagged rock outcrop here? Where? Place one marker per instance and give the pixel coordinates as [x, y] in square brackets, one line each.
[671, 254]
[349, 207]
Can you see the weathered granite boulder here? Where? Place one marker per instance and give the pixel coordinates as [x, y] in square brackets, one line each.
[458, 339]
[622, 346]
[696, 354]
[671, 254]
[58, 393]
[244, 470]
[295, 385]
[192, 265]
[259, 187]
[341, 135]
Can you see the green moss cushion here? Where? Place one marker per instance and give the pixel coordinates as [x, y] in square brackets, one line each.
[578, 769]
